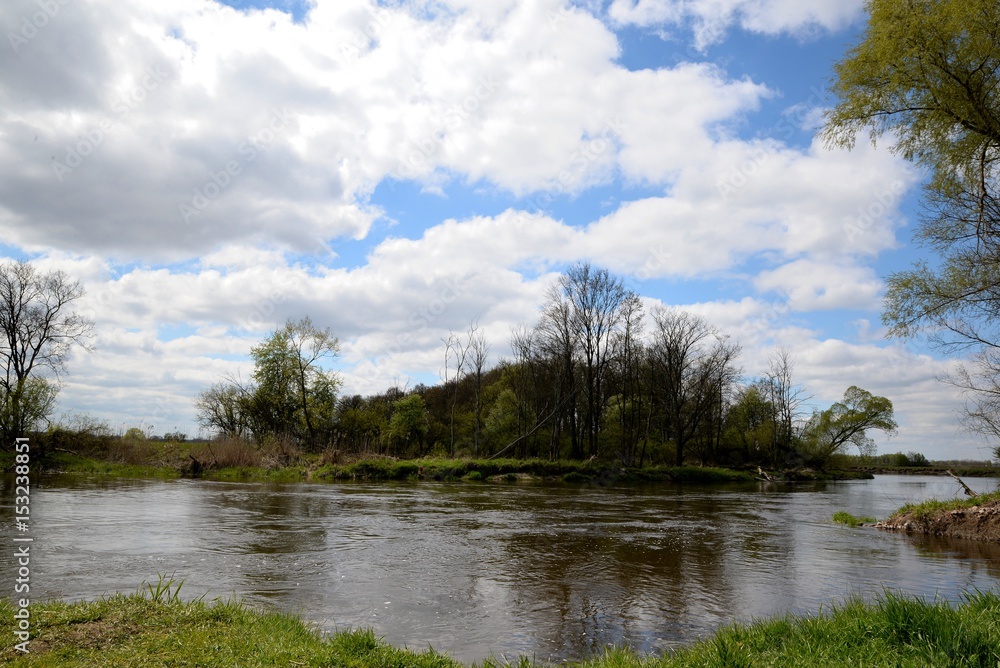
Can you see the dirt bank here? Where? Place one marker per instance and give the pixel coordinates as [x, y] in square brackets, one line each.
[975, 522]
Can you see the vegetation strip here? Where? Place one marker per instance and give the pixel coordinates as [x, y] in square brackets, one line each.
[975, 518]
[318, 468]
[155, 628]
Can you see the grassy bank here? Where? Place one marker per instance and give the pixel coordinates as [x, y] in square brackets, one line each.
[927, 509]
[381, 468]
[974, 518]
[156, 629]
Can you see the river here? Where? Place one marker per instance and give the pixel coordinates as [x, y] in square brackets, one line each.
[552, 571]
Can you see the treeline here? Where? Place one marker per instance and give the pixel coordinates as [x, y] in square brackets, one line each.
[594, 377]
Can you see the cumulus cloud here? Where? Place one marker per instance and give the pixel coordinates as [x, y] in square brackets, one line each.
[208, 173]
[711, 19]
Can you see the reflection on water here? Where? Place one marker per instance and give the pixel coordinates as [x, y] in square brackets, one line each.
[557, 572]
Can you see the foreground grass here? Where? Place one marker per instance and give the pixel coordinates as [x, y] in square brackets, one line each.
[156, 629]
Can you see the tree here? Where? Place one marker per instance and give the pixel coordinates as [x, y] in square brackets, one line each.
[595, 298]
[38, 328]
[479, 352]
[690, 362]
[409, 421]
[926, 75]
[750, 423]
[291, 395]
[785, 400]
[37, 401]
[556, 339]
[847, 422]
[453, 347]
[221, 408]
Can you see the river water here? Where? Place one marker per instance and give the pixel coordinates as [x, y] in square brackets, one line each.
[554, 571]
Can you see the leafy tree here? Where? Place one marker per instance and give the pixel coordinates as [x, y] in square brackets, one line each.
[847, 422]
[409, 421]
[750, 423]
[222, 409]
[38, 328]
[36, 403]
[291, 395]
[293, 391]
[926, 76]
[135, 434]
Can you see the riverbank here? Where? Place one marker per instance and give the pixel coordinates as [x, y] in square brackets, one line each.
[964, 472]
[319, 469]
[155, 628]
[974, 518]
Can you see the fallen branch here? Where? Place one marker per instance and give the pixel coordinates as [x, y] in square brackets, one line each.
[765, 475]
[967, 489]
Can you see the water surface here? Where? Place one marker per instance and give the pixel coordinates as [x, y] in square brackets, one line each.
[554, 571]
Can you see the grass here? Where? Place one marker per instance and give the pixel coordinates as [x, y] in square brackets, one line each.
[925, 510]
[850, 520]
[155, 628]
[276, 462]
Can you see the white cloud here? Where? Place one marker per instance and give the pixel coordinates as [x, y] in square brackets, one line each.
[277, 134]
[711, 19]
[810, 285]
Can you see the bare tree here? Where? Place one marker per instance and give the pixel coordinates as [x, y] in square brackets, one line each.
[222, 409]
[595, 297]
[557, 340]
[690, 362]
[454, 349]
[786, 401]
[479, 351]
[980, 386]
[38, 329]
[627, 359]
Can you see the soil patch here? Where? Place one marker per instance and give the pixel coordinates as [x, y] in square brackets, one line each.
[978, 522]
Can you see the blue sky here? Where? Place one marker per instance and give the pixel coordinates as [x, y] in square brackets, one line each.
[398, 170]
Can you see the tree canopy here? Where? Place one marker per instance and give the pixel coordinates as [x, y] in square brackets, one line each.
[925, 77]
[847, 422]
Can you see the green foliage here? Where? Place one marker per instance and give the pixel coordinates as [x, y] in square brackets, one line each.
[846, 422]
[850, 520]
[291, 397]
[409, 422]
[27, 405]
[135, 434]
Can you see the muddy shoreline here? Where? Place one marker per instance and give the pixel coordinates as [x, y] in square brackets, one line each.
[979, 522]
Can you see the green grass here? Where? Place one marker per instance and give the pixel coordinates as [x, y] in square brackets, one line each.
[850, 520]
[166, 461]
[155, 628]
[925, 510]
[86, 465]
